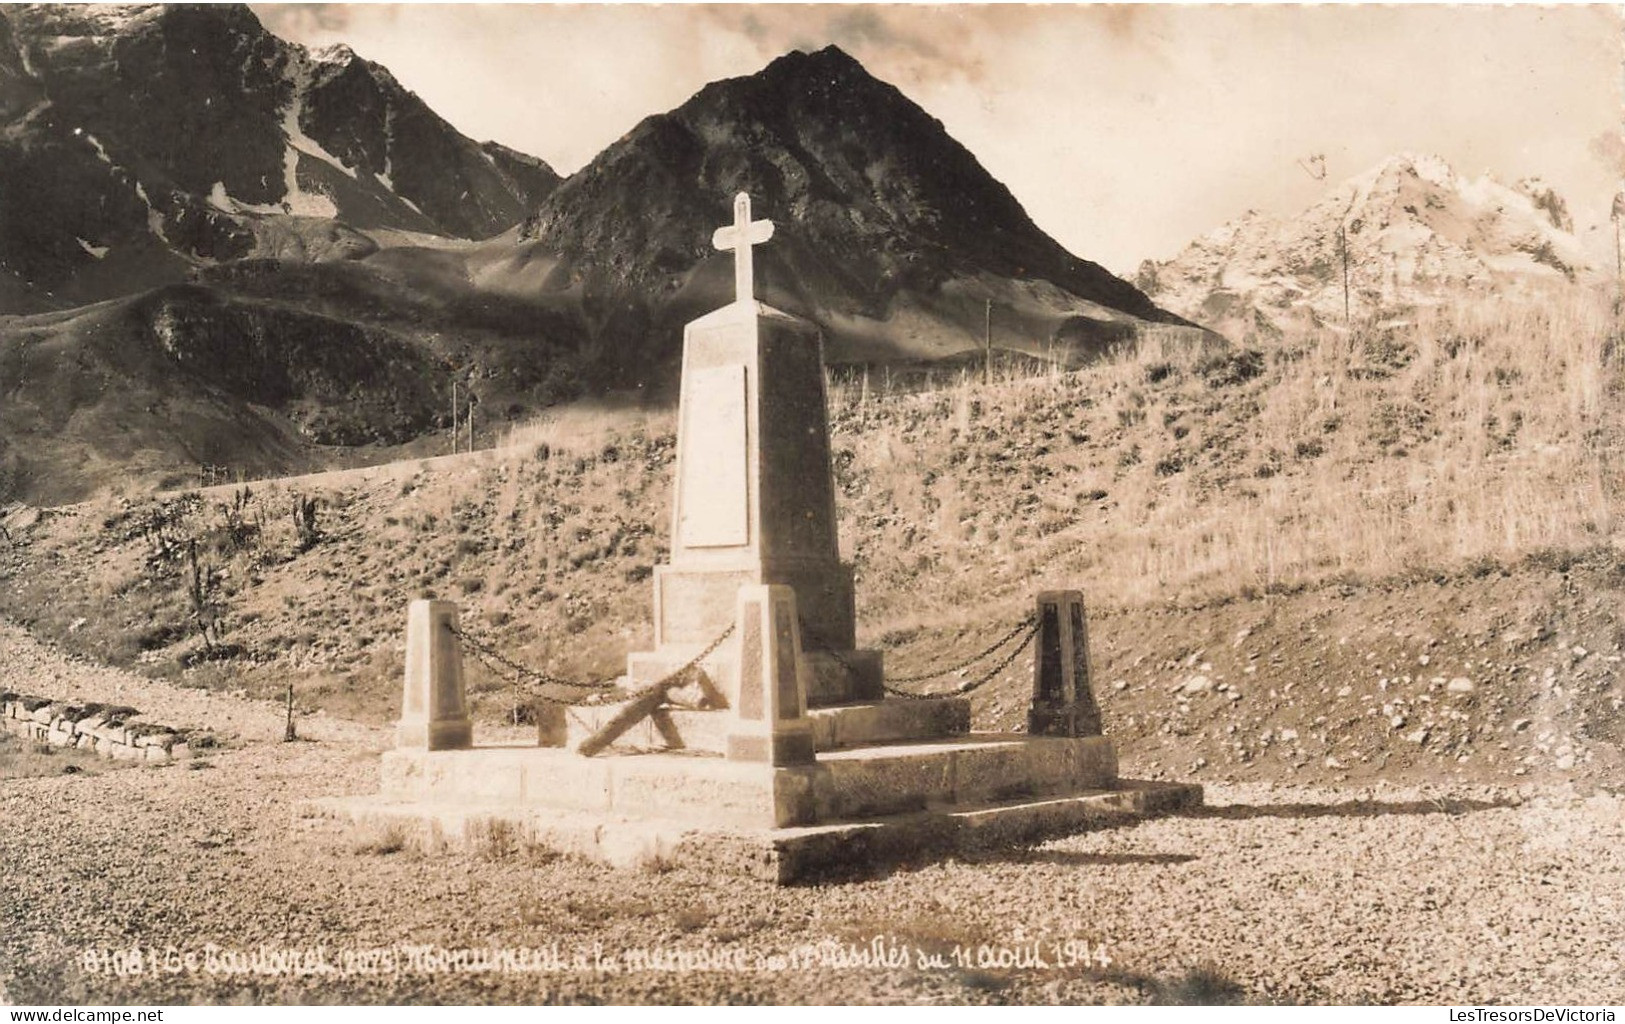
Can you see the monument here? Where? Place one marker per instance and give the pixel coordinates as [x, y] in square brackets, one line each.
[791, 761]
[754, 501]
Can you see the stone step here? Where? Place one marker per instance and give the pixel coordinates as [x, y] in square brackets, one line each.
[842, 785]
[903, 777]
[785, 855]
[834, 728]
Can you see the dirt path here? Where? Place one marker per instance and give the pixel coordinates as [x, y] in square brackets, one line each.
[30, 666]
[1460, 895]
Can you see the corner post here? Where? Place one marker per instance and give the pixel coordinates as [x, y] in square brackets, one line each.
[770, 721]
[1063, 701]
[434, 710]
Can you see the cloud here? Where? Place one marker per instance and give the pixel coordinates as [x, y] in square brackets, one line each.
[297, 21]
[921, 42]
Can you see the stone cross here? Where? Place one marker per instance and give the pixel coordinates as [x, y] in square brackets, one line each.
[738, 238]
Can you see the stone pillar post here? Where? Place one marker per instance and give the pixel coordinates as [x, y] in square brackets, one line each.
[770, 717]
[434, 713]
[1063, 702]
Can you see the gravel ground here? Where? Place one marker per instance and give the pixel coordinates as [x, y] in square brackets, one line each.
[1458, 895]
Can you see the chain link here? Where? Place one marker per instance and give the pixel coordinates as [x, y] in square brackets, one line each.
[522, 676]
[1026, 623]
[669, 678]
[526, 678]
[964, 688]
[1029, 624]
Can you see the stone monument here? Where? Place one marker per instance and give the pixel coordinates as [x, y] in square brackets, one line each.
[809, 769]
[754, 497]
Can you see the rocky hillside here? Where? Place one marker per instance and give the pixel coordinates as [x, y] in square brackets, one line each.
[1413, 229]
[188, 143]
[138, 142]
[263, 368]
[1401, 562]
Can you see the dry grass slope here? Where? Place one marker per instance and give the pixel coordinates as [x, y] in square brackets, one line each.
[1467, 440]
[1178, 474]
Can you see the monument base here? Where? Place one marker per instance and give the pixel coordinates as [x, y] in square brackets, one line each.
[844, 677]
[783, 855]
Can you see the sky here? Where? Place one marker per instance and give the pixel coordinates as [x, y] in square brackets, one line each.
[1125, 132]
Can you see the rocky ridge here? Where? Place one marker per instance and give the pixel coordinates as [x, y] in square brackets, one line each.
[1414, 229]
[137, 142]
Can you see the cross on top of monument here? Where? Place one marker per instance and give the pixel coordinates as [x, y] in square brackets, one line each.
[739, 237]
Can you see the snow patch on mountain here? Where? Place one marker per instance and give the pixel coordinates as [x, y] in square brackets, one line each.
[1406, 231]
[101, 150]
[108, 19]
[304, 143]
[225, 203]
[155, 220]
[296, 200]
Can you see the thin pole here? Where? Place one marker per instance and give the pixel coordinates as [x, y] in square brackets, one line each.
[1619, 265]
[1343, 244]
[454, 416]
[470, 446]
[987, 344]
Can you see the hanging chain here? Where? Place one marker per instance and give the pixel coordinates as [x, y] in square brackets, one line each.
[1026, 623]
[1029, 625]
[524, 677]
[670, 678]
[604, 690]
[964, 688]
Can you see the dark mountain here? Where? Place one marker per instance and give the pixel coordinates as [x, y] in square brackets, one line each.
[288, 235]
[137, 142]
[890, 233]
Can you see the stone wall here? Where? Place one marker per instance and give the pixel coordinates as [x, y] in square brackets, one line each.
[110, 730]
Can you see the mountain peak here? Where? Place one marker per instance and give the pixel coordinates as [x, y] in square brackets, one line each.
[177, 135]
[881, 214]
[799, 78]
[337, 53]
[1412, 228]
[829, 58]
[1394, 175]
